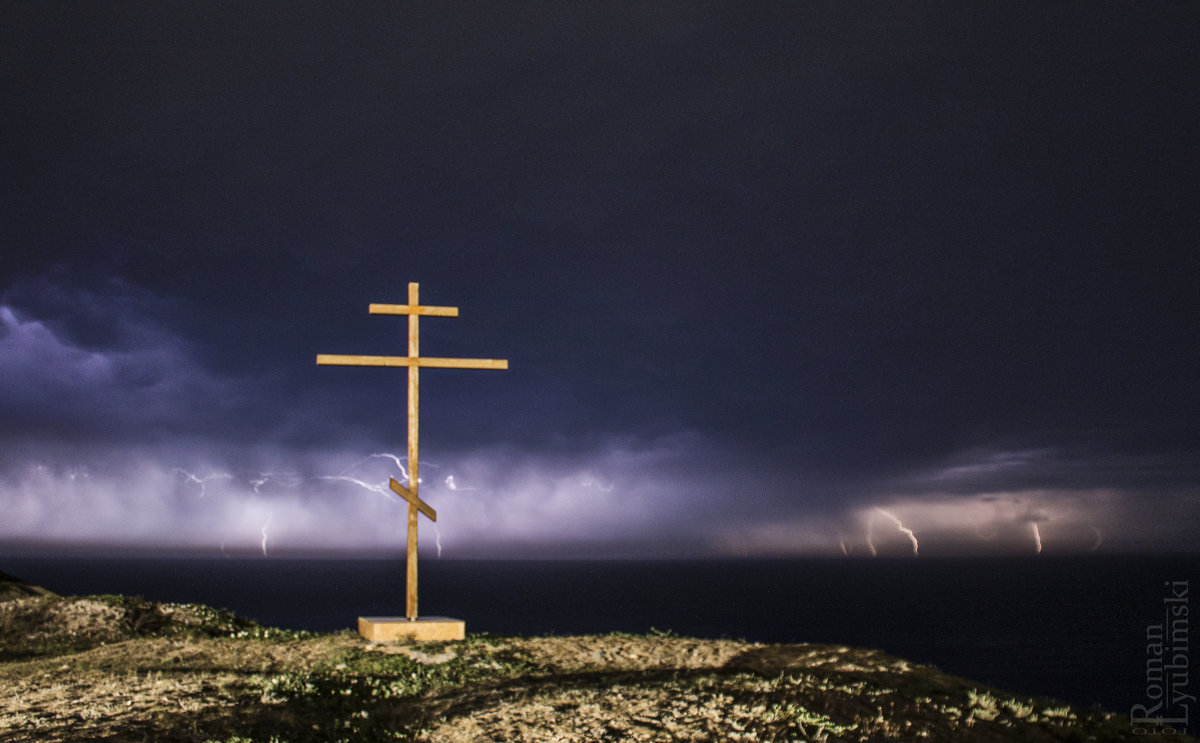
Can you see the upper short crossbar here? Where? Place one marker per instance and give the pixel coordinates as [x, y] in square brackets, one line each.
[408, 309]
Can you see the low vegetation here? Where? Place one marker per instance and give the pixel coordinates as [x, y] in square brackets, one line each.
[118, 668]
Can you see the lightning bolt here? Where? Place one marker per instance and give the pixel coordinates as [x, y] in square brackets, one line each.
[842, 544]
[589, 480]
[870, 537]
[437, 534]
[900, 527]
[377, 488]
[355, 481]
[263, 531]
[1099, 538]
[286, 479]
[258, 480]
[395, 460]
[202, 481]
[450, 483]
[1037, 538]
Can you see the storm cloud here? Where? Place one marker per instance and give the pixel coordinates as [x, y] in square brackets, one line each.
[796, 280]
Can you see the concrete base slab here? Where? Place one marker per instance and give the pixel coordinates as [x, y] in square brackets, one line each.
[422, 629]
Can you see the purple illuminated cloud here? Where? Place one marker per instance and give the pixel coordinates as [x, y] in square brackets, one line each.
[119, 433]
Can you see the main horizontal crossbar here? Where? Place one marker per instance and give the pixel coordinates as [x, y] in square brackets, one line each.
[408, 309]
[408, 495]
[329, 359]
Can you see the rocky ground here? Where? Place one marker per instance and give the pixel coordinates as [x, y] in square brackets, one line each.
[122, 669]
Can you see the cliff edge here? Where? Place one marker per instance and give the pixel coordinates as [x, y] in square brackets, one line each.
[121, 668]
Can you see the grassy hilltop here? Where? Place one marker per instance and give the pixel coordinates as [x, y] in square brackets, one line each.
[124, 669]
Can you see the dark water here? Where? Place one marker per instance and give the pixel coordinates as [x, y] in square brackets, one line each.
[1066, 627]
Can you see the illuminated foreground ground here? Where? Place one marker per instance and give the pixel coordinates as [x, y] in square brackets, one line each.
[114, 668]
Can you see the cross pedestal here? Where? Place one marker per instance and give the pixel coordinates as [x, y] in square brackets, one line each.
[421, 629]
[411, 626]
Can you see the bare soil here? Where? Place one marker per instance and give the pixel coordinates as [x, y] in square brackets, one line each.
[120, 669]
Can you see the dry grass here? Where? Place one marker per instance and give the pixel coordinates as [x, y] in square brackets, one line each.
[119, 669]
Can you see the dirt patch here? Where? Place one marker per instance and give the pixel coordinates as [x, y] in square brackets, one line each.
[43, 625]
[680, 689]
[698, 711]
[625, 653]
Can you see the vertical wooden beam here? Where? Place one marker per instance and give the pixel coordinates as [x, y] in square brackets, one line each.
[413, 361]
[414, 351]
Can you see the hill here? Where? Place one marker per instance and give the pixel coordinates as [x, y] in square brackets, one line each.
[121, 668]
[15, 588]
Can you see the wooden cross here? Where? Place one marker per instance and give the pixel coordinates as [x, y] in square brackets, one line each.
[414, 361]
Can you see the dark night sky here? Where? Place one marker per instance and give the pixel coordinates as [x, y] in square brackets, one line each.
[770, 277]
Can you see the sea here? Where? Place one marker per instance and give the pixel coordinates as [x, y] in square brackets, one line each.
[1073, 628]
